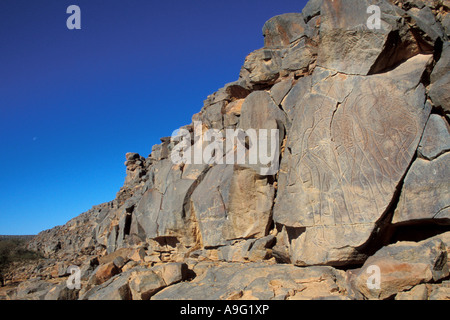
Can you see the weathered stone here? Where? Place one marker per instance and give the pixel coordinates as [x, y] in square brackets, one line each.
[260, 112]
[426, 191]
[281, 249]
[144, 284]
[402, 266]
[280, 90]
[254, 250]
[232, 113]
[62, 292]
[119, 262]
[299, 56]
[345, 37]
[440, 81]
[443, 64]
[426, 21]
[238, 252]
[172, 272]
[137, 255]
[123, 252]
[146, 214]
[250, 204]
[225, 211]
[344, 161]
[210, 210]
[446, 24]
[87, 268]
[132, 156]
[62, 269]
[311, 9]
[284, 29]
[419, 292]
[161, 211]
[445, 238]
[105, 272]
[262, 66]
[112, 239]
[349, 131]
[257, 281]
[34, 289]
[261, 249]
[436, 138]
[230, 92]
[213, 115]
[295, 96]
[440, 291]
[115, 288]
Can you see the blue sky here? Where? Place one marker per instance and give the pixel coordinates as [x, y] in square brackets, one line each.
[73, 102]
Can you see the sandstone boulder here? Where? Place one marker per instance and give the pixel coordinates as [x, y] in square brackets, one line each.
[258, 281]
[116, 288]
[282, 30]
[436, 138]
[346, 154]
[62, 292]
[104, 273]
[232, 203]
[402, 266]
[144, 284]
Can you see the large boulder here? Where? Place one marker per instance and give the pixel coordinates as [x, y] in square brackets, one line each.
[145, 283]
[347, 151]
[426, 192]
[258, 281]
[162, 210]
[230, 203]
[282, 30]
[401, 266]
[436, 138]
[261, 67]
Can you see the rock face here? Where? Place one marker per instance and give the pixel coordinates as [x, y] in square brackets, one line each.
[347, 152]
[361, 111]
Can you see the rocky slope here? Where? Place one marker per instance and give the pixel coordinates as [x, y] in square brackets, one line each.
[363, 116]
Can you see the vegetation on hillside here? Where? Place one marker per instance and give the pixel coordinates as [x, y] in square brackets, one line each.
[12, 249]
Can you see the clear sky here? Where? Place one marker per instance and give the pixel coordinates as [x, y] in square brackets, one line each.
[73, 102]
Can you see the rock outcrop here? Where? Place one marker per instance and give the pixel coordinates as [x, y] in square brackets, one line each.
[362, 116]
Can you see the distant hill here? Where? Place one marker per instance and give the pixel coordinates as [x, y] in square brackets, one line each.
[16, 237]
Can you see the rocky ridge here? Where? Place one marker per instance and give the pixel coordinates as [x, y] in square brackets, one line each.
[363, 116]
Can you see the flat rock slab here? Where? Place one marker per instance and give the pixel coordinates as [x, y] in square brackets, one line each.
[345, 37]
[440, 80]
[426, 191]
[346, 153]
